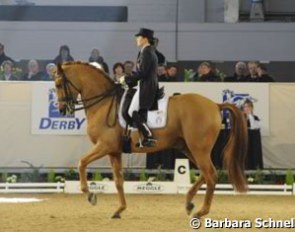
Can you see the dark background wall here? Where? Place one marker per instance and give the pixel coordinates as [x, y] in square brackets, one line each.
[188, 30]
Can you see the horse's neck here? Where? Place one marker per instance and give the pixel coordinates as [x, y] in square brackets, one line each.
[90, 82]
[93, 84]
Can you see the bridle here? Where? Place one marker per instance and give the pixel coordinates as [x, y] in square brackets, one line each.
[70, 101]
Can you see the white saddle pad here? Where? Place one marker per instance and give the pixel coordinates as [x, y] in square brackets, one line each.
[155, 118]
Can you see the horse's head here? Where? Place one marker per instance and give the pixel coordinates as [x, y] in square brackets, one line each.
[66, 91]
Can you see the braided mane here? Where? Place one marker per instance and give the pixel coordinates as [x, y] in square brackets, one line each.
[105, 75]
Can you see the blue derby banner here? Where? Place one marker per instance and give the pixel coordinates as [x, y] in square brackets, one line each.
[46, 118]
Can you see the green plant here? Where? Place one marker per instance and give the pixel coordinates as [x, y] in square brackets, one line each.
[161, 176]
[222, 177]
[143, 175]
[193, 177]
[11, 179]
[188, 75]
[32, 176]
[97, 176]
[259, 177]
[71, 174]
[4, 176]
[273, 176]
[289, 180]
[59, 179]
[51, 176]
[127, 173]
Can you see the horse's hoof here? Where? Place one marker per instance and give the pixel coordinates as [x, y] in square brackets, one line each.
[116, 216]
[189, 207]
[92, 199]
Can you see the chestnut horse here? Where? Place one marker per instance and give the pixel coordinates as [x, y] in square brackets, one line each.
[193, 125]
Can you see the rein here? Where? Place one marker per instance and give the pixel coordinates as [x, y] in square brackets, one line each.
[114, 92]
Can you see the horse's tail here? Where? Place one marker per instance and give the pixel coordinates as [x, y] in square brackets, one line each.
[235, 150]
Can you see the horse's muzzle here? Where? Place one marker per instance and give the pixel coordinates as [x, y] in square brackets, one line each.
[62, 111]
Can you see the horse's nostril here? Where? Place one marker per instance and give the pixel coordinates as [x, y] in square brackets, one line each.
[62, 111]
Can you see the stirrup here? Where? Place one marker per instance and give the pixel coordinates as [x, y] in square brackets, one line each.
[149, 142]
[146, 142]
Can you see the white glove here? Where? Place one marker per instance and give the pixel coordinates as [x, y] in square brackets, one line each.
[122, 80]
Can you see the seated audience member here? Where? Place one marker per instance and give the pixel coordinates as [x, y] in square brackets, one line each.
[252, 68]
[253, 121]
[171, 73]
[96, 57]
[167, 74]
[162, 74]
[129, 67]
[240, 75]
[118, 71]
[160, 56]
[63, 56]
[206, 73]
[34, 73]
[3, 56]
[7, 74]
[50, 68]
[262, 74]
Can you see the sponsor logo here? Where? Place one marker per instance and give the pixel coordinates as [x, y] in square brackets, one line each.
[236, 98]
[98, 187]
[149, 188]
[53, 111]
[55, 121]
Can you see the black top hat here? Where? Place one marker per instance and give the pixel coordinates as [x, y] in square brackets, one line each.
[145, 33]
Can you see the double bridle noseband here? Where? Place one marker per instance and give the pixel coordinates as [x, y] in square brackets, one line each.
[71, 102]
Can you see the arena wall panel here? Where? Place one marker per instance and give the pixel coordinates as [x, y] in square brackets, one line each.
[18, 143]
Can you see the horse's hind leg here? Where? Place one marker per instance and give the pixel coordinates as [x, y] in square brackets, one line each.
[195, 187]
[210, 177]
[116, 161]
[192, 192]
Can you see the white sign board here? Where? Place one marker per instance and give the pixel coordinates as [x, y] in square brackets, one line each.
[45, 113]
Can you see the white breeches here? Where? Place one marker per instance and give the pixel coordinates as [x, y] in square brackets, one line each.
[134, 106]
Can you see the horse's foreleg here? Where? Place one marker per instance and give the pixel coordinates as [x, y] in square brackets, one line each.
[96, 152]
[116, 161]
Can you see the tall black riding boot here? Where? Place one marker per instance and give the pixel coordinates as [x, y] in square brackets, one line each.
[148, 140]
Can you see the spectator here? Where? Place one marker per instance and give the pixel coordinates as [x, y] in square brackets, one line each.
[160, 56]
[161, 73]
[50, 68]
[34, 73]
[7, 74]
[253, 121]
[3, 57]
[262, 74]
[206, 73]
[96, 57]
[167, 74]
[252, 68]
[118, 71]
[64, 55]
[240, 75]
[129, 67]
[172, 73]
